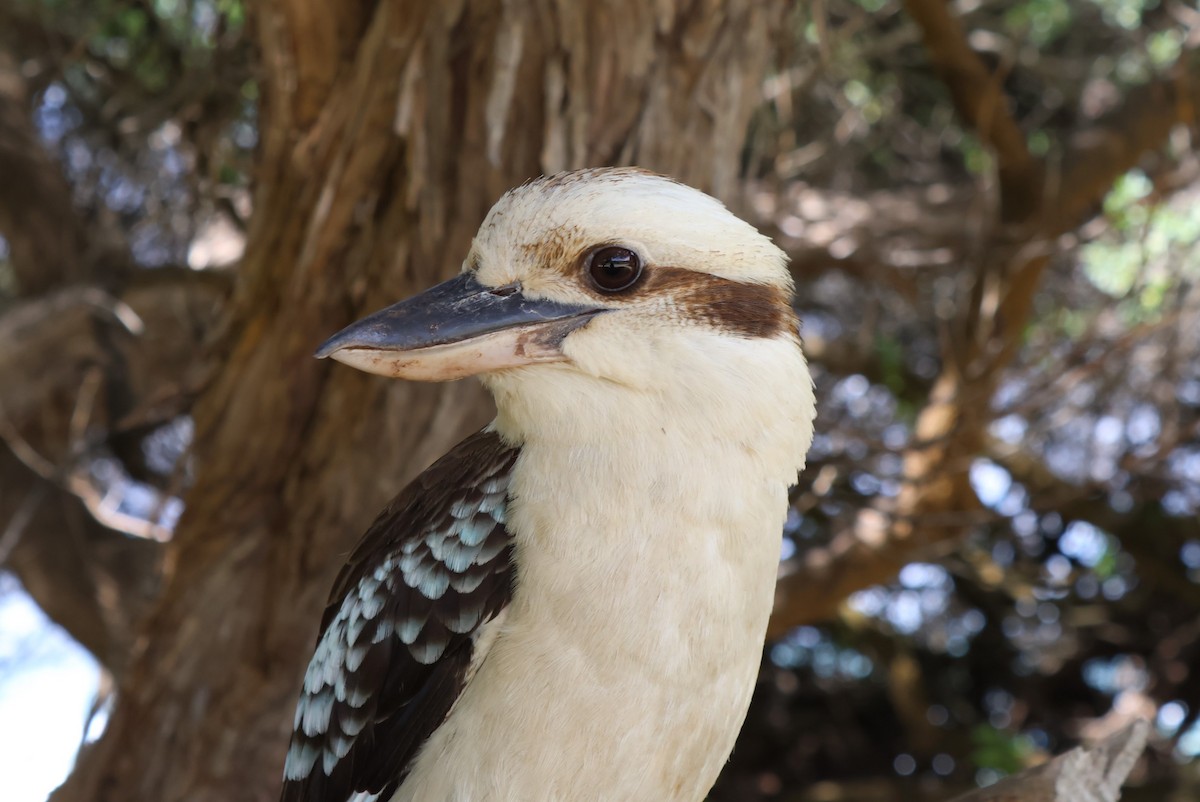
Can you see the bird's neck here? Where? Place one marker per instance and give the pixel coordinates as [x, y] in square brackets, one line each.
[698, 440]
[712, 406]
[622, 522]
[647, 527]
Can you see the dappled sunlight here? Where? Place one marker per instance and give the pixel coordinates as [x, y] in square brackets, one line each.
[992, 215]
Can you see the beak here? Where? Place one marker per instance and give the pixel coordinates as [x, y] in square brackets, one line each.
[458, 328]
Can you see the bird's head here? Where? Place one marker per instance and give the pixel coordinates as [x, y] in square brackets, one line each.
[587, 281]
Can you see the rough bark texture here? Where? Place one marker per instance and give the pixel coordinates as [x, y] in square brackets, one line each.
[387, 131]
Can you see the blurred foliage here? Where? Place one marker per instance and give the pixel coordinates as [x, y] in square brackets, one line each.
[1148, 250]
[1076, 594]
[1088, 553]
[151, 106]
[1000, 751]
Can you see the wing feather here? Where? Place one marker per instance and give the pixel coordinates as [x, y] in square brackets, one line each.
[396, 639]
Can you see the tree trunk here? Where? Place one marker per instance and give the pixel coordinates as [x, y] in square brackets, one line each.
[387, 130]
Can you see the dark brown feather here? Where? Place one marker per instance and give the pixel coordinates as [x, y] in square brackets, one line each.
[397, 636]
[738, 307]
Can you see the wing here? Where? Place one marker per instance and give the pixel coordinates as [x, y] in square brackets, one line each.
[396, 639]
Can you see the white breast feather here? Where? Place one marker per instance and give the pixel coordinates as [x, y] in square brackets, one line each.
[648, 530]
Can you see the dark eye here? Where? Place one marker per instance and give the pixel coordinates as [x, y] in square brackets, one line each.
[613, 268]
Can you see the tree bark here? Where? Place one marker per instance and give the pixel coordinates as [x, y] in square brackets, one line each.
[387, 131]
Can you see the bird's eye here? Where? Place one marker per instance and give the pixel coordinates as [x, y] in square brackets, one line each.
[614, 269]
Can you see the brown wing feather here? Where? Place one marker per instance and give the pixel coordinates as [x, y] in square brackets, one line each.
[396, 638]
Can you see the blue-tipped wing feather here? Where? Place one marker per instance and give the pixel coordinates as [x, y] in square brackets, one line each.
[396, 638]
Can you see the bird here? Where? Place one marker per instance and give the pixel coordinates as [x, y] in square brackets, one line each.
[572, 603]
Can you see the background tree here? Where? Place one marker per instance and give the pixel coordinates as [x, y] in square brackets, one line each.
[991, 209]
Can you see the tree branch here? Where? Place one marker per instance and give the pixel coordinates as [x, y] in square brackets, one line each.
[978, 95]
[94, 355]
[141, 348]
[94, 582]
[1114, 144]
[1085, 774]
[936, 502]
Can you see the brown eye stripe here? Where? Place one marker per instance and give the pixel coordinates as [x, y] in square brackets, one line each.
[751, 310]
[739, 307]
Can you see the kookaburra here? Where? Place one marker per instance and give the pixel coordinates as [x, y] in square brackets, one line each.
[570, 606]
